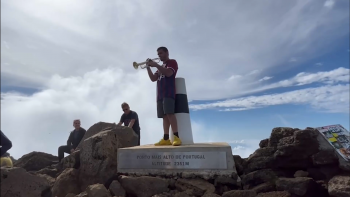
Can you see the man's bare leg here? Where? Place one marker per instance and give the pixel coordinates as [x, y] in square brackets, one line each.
[173, 122]
[166, 124]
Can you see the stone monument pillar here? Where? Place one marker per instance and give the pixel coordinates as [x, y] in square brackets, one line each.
[182, 113]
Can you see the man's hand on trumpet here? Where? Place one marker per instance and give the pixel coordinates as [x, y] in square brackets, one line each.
[151, 63]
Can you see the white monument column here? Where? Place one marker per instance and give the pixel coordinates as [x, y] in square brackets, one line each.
[182, 113]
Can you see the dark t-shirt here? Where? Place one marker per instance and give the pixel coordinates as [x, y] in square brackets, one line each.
[126, 118]
[166, 85]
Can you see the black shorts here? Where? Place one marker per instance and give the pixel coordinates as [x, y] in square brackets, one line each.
[165, 106]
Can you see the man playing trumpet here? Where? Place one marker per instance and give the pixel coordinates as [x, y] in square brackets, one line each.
[165, 77]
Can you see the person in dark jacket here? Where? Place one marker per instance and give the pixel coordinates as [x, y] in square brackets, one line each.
[73, 140]
[6, 144]
[130, 119]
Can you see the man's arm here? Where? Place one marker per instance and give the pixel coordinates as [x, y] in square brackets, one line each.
[133, 119]
[80, 137]
[170, 70]
[165, 71]
[69, 141]
[121, 120]
[152, 77]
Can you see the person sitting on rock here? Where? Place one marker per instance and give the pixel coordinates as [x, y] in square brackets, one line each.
[130, 119]
[6, 161]
[73, 140]
[6, 144]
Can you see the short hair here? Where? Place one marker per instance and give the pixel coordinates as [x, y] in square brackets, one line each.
[76, 120]
[125, 104]
[163, 49]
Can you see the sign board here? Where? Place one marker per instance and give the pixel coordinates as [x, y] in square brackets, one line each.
[338, 137]
[172, 160]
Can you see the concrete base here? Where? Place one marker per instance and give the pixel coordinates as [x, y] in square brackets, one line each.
[206, 160]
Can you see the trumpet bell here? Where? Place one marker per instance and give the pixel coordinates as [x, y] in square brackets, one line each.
[135, 65]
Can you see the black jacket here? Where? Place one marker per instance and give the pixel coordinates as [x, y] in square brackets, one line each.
[75, 137]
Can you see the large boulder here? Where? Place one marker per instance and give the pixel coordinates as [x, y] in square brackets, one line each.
[339, 186]
[84, 194]
[144, 186]
[17, 182]
[52, 172]
[48, 178]
[71, 161]
[300, 186]
[258, 177]
[239, 164]
[264, 143]
[195, 187]
[279, 133]
[35, 161]
[66, 182]
[116, 189]
[325, 157]
[95, 129]
[97, 190]
[240, 193]
[262, 158]
[98, 156]
[264, 187]
[275, 194]
[223, 184]
[287, 149]
[295, 151]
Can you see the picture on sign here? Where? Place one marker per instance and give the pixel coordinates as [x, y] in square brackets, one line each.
[338, 137]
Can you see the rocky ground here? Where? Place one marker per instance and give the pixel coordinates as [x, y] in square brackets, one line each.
[288, 164]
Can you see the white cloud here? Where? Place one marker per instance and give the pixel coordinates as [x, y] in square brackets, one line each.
[319, 64]
[265, 78]
[42, 122]
[326, 98]
[329, 3]
[244, 148]
[99, 34]
[339, 75]
[293, 59]
[254, 72]
[330, 77]
[233, 77]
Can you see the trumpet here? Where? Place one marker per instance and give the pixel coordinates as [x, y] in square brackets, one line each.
[141, 65]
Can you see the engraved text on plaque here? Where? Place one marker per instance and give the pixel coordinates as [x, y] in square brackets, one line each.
[172, 160]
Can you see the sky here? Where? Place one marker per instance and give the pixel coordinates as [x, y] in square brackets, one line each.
[249, 67]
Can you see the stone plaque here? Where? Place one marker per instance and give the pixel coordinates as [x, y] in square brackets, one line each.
[172, 160]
